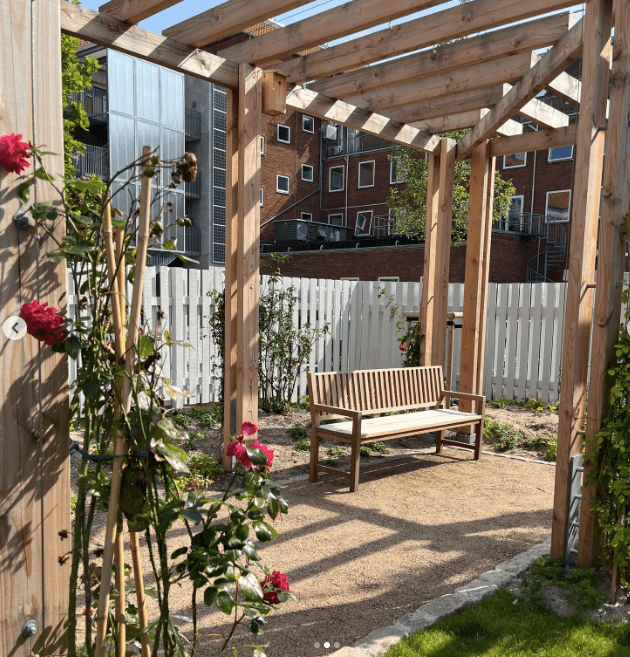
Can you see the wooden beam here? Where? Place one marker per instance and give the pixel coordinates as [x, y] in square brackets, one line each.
[549, 66]
[512, 40]
[134, 11]
[470, 78]
[331, 24]
[583, 247]
[417, 34]
[437, 254]
[473, 323]
[34, 439]
[466, 120]
[566, 87]
[230, 423]
[226, 19]
[442, 107]
[610, 266]
[543, 114]
[338, 111]
[533, 141]
[248, 250]
[137, 42]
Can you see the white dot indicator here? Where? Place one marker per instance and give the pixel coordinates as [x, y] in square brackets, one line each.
[14, 328]
[326, 644]
[336, 644]
[317, 644]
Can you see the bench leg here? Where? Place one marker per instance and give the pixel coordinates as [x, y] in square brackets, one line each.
[439, 436]
[478, 437]
[314, 451]
[355, 463]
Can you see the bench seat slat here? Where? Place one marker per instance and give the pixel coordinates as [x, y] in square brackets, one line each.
[394, 425]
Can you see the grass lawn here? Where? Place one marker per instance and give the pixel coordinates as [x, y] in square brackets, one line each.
[499, 628]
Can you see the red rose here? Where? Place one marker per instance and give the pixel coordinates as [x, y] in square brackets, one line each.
[401, 347]
[14, 153]
[249, 428]
[271, 586]
[236, 448]
[43, 323]
[266, 450]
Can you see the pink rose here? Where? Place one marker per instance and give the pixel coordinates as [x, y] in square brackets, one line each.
[271, 586]
[401, 347]
[236, 448]
[266, 450]
[249, 428]
[43, 323]
[14, 153]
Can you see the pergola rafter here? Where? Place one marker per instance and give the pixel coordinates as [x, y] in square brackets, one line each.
[483, 82]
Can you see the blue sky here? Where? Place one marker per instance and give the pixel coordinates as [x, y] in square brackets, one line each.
[188, 8]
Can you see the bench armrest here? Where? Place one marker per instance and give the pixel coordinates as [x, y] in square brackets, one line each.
[479, 399]
[336, 410]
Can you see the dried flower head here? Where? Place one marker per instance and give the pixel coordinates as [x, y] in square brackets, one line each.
[187, 167]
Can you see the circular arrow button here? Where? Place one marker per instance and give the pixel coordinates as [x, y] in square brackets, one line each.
[14, 328]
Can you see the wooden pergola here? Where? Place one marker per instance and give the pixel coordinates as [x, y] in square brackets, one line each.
[472, 65]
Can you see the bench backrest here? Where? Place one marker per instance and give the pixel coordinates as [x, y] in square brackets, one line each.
[377, 391]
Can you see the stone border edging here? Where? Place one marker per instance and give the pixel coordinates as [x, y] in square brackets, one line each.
[380, 640]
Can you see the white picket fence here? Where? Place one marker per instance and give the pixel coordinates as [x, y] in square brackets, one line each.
[523, 338]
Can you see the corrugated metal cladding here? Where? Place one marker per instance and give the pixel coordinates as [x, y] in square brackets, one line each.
[219, 106]
[146, 105]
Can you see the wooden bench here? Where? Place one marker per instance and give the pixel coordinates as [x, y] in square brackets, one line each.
[366, 392]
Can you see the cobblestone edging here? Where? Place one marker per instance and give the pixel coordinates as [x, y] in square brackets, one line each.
[379, 641]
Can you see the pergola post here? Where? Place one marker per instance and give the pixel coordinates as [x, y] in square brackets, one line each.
[34, 467]
[610, 264]
[437, 254]
[476, 276]
[241, 378]
[584, 223]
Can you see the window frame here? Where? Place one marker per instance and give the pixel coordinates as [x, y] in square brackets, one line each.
[356, 223]
[343, 178]
[261, 197]
[559, 191]
[312, 168]
[283, 141]
[551, 160]
[389, 279]
[515, 166]
[308, 214]
[262, 144]
[373, 163]
[337, 214]
[312, 118]
[281, 191]
[393, 161]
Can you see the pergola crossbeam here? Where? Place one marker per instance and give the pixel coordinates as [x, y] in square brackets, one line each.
[551, 64]
[466, 120]
[134, 11]
[226, 19]
[329, 25]
[459, 21]
[534, 141]
[512, 40]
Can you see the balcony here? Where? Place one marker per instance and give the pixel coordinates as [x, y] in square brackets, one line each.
[193, 124]
[523, 223]
[193, 189]
[95, 161]
[357, 144]
[94, 101]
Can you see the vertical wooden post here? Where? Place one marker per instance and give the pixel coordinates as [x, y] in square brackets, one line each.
[476, 275]
[610, 262]
[34, 467]
[231, 260]
[437, 254]
[584, 221]
[248, 263]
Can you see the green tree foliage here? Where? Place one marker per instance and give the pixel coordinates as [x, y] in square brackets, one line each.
[76, 74]
[409, 204]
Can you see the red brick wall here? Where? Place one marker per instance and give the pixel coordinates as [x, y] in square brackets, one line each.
[508, 261]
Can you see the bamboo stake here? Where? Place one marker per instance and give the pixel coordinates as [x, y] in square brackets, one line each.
[120, 239]
[120, 444]
[141, 599]
[119, 567]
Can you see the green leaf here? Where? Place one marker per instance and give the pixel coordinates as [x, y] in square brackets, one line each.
[262, 532]
[187, 260]
[250, 587]
[145, 346]
[73, 347]
[256, 456]
[168, 244]
[224, 602]
[23, 192]
[175, 456]
[42, 175]
[56, 256]
[180, 552]
[210, 595]
[191, 514]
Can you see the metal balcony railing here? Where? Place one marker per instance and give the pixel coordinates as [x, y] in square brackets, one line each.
[193, 189]
[523, 223]
[94, 100]
[193, 240]
[356, 144]
[95, 161]
[193, 124]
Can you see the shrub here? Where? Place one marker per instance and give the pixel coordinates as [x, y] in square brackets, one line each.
[501, 435]
[302, 445]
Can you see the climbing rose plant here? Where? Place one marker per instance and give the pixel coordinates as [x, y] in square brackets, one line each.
[219, 562]
[14, 154]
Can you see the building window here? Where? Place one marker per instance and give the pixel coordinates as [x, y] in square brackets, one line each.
[308, 124]
[284, 134]
[558, 205]
[366, 174]
[262, 145]
[560, 154]
[282, 184]
[349, 278]
[335, 219]
[306, 216]
[307, 173]
[363, 227]
[262, 197]
[389, 279]
[395, 174]
[336, 177]
[514, 161]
